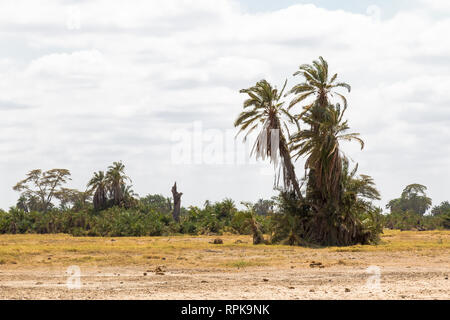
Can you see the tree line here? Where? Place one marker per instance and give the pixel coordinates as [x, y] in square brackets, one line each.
[331, 204]
[79, 214]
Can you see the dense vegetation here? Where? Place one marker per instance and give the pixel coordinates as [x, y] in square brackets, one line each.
[152, 216]
[330, 205]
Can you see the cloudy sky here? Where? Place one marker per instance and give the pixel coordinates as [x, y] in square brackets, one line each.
[86, 83]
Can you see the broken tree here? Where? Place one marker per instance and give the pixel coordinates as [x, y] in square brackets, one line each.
[176, 203]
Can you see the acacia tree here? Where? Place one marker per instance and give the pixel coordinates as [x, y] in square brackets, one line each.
[73, 199]
[413, 198]
[264, 110]
[39, 188]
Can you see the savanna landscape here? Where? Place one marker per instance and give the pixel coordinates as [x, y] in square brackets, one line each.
[413, 265]
[321, 237]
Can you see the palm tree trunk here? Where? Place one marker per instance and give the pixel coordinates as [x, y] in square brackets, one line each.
[290, 170]
[287, 160]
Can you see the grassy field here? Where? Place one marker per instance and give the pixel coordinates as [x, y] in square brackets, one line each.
[414, 265]
[193, 251]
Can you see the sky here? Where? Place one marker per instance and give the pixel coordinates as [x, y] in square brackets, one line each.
[156, 85]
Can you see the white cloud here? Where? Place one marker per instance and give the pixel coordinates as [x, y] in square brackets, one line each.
[117, 87]
[437, 5]
[83, 68]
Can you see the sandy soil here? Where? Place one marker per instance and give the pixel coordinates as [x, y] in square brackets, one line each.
[404, 275]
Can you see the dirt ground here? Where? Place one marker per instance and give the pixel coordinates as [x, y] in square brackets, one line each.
[411, 265]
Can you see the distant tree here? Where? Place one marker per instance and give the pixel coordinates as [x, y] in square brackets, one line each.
[98, 185]
[116, 179]
[130, 198]
[207, 204]
[73, 199]
[224, 209]
[39, 188]
[413, 198]
[442, 209]
[158, 202]
[263, 207]
[29, 203]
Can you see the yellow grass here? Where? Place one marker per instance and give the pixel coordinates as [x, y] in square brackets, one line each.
[197, 252]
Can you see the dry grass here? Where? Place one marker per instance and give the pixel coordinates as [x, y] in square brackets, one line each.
[414, 265]
[196, 252]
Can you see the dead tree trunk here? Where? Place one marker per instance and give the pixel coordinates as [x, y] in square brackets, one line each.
[258, 237]
[176, 203]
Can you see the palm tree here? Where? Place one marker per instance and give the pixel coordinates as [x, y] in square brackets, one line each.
[116, 178]
[358, 187]
[263, 110]
[325, 127]
[332, 222]
[130, 198]
[361, 219]
[99, 184]
[318, 85]
[320, 144]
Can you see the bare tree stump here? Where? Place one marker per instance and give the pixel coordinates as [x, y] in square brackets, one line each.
[176, 203]
[258, 237]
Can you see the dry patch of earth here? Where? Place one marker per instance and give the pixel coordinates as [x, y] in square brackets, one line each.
[412, 265]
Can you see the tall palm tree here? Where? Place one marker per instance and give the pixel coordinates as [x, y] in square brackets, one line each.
[333, 222]
[264, 111]
[116, 178]
[317, 85]
[99, 184]
[324, 119]
[320, 144]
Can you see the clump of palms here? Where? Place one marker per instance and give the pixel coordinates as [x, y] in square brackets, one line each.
[111, 189]
[336, 208]
[320, 145]
[116, 180]
[98, 184]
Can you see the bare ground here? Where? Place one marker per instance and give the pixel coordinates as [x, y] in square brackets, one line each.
[237, 272]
